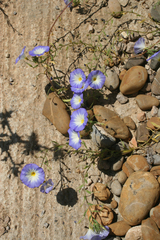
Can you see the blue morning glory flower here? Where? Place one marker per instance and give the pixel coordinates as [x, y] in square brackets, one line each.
[77, 77]
[78, 119]
[96, 79]
[67, 2]
[80, 90]
[39, 50]
[76, 100]
[74, 139]
[93, 235]
[156, 56]
[139, 45]
[47, 186]
[21, 56]
[32, 175]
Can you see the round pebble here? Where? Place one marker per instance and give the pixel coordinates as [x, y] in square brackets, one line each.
[116, 187]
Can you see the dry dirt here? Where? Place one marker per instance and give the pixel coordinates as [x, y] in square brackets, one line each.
[26, 135]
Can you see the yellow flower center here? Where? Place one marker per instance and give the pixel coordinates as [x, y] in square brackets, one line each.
[79, 100]
[82, 121]
[33, 174]
[79, 79]
[94, 78]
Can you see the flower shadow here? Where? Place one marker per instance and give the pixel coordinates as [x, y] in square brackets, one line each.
[67, 197]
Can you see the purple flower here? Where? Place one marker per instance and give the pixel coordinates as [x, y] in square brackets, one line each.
[76, 100]
[32, 175]
[67, 2]
[139, 45]
[96, 79]
[39, 50]
[21, 56]
[80, 90]
[77, 77]
[78, 119]
[47, 186]
[156, 56]
[93, 235]
[74, 139]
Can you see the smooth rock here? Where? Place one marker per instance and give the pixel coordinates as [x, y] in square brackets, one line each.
[117, 164]
[129, 122]
[142, 133]
[146, 102]
[155, 88]
[116, 188]
[154, 111]
[127, 169]
[55, 110]
[139, 194]
[122, 177]
[154, 64]
[141, 116]
[149, 36]
[155, 12]
[150, 230]
[122, 73]
[123, 2]
[135, 61]
[121, 98]
[115, 8]
[138, 162]
[112, 80]
[155, 171]
[117, 128]
[101, 138]
[153, 122]
[155, 215]
[103, 114]
[114, 204]
[119, 228]
[134, 233]
[133, 80]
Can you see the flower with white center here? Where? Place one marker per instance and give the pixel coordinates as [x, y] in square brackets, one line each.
[77, 77]
[76, 100]
[21, 56]
[78, 119]
[155, 56]
[96, 79]
[139, 45]
[67, 2]
[74, 139]
[39, 50]
[80, 90]
[32, 175]
[47, 186]
[93, 235]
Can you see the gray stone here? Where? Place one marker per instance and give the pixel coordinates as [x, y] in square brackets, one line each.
[123, 2]
[155, 11]
[154, 111]
[135, 61]
[112, 80]
[154, 64]
[155, 88]
[142, 133]
[122, 177]
[117, 165]
[156, 159]
[101, 138]
[116, 188]
[121, 98]
[115, 8]
[130, 47]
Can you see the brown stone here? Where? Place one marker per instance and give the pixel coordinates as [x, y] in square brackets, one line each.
[134, 233]
[133, 80]
[115, 8]
[121, 75]
[153, 123]
[103, 114]
[122, 177]
[55, 110]
[119, 228]
[139, 194]
[101, 191]
[142, 133]
[102, 214]
[155, 171]
[118, 126]
[155, 215]
[138, 162]
[146, 102]
[127, 169]
[129, 122]
[114, 204]
[150, 230]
